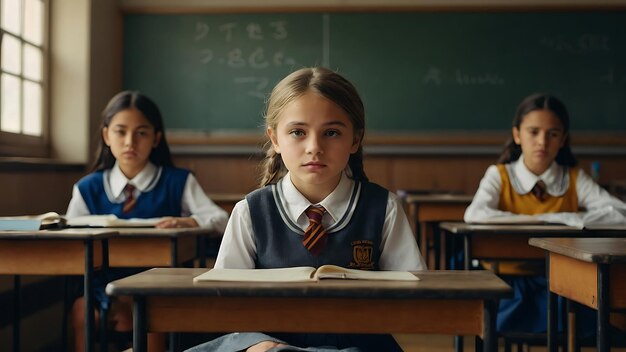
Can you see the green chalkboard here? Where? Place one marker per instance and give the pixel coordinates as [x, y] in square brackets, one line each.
[416, 71]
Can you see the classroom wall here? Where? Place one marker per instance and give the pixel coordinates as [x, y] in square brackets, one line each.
[451, 173]
[69, 79]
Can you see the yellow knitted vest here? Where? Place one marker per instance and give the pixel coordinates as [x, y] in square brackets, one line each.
[529, 204]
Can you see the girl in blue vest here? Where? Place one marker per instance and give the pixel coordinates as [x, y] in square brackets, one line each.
[133, 151]
[315, 122]
[539, 156]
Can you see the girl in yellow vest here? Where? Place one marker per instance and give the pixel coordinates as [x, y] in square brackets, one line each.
[536, 175]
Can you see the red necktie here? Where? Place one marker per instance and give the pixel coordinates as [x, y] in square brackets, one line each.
[315, 234]
[130, 201]
[539, 190]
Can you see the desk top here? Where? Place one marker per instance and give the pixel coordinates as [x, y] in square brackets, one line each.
[480, 284]
[531, 229]
[465, 228]
[596, 250]
[169, 232]
[439, 198]
[82, 234]
[226, 197]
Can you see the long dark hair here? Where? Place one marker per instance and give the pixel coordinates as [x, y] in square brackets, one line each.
[328, 84]
[160, 155]
[540, 101]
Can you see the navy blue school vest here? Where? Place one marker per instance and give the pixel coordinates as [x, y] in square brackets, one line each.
[162, 198]
[352, 243]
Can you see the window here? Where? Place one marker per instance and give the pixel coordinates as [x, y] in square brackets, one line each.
[23, 126]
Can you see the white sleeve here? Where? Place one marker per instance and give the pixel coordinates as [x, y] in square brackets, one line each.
[599, 205]
[399, 249]
[196, 204]
[238, 248]
[484, 206]
[77, 206]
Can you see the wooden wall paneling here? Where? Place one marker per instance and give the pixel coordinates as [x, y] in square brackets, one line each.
[35, 192]
[439, 174]
[223, 174]
[379, 170]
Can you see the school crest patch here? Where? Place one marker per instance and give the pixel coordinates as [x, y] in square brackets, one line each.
[362, 251]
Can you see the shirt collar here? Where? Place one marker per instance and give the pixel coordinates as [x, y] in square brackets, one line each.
[335, 203]
[143, 179]
[551, 177]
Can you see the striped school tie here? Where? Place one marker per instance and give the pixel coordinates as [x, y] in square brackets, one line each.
[130, 201]
[539, 190]
[315, 234]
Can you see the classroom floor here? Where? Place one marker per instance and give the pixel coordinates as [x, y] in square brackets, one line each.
[441, 343]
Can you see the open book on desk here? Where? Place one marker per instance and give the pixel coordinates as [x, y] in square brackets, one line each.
[110, 220]
[569, 219]
[512, 219]
[301, 274]
[50, 220]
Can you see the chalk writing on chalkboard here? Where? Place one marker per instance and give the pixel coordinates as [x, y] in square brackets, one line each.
[213, 51]
[416, 71]
[613, 78]
[583, 44]
[437, 76]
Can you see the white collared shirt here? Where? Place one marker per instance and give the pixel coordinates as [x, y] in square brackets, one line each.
[600, 206]
[195, 203]
[398, 246]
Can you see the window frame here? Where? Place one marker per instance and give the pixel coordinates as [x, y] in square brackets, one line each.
[24, 145]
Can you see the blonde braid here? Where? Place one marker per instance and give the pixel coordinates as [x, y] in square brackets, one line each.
[272, 167]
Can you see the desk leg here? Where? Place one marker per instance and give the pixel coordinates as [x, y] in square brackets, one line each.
[140, 332]
[466, 252]
[490, 336]
[89, 297]
[104, 313]
[65, 319]
[202, 248]
[16, 313]
[603, 309]
[572, 334]
[174, 252]
[174, 336]
[552, 311]
[458, 343]
[439, 245]
[458, 340]
[427, 245]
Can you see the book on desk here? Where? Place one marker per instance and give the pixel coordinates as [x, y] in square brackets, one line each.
[110, 220]
[52, 220]
[302, 274]
[577, 220]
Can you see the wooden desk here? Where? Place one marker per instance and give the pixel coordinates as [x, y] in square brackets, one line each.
[54, 252]
[510, 242]
[449, 302]
[152, 247]
[590, 271]
[426, 211]
[137, 247]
